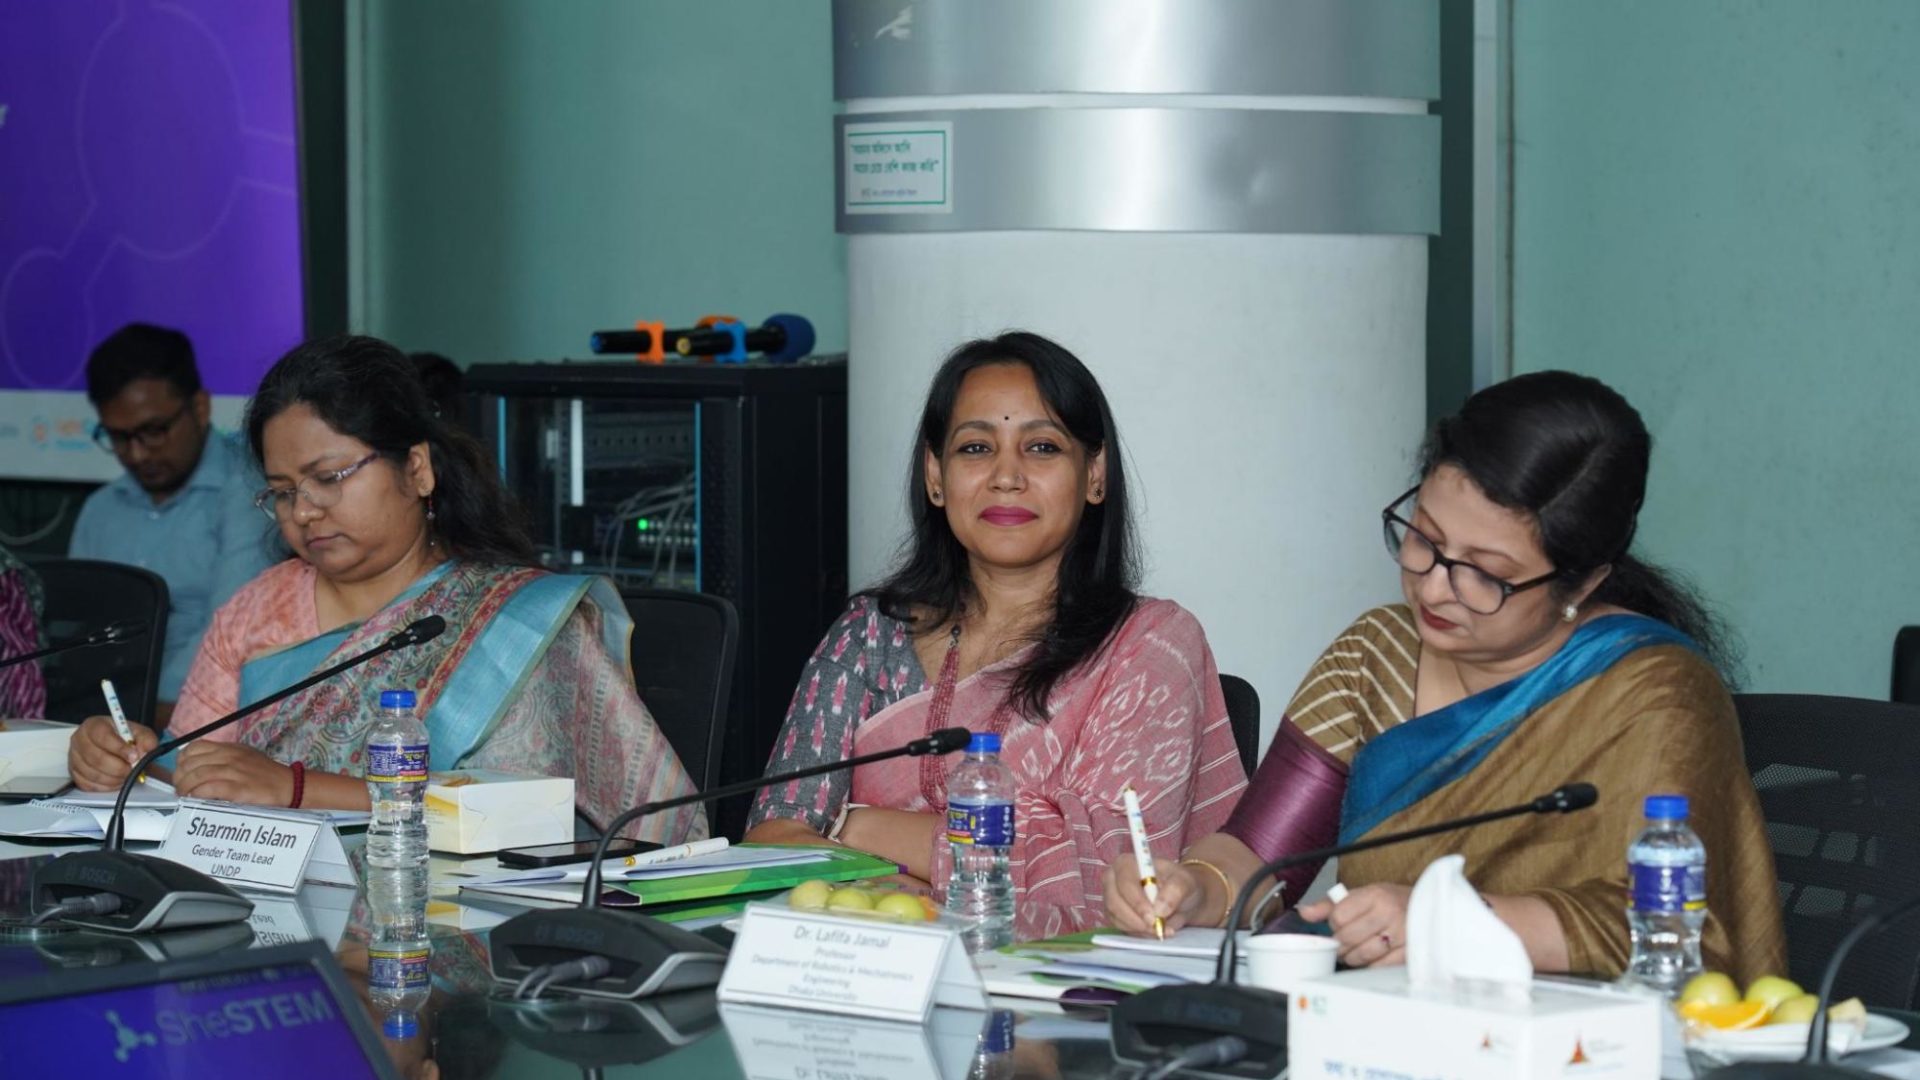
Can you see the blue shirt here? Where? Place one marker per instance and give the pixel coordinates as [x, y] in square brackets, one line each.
[206, 541]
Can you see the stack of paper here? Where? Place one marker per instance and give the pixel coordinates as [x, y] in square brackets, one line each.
[688, 872]
[83, 815]
[1105, 963]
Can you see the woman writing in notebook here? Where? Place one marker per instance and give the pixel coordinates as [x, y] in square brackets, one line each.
[395, 514]
[1532, 649]
[1012, 611]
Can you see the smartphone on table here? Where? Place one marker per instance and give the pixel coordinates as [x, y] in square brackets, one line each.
[579, 851]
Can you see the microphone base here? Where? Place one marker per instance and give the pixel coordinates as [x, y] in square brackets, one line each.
[648, 956]
[597, 1034]
[1152, 1026]
[1784, 1070]
[155, 894]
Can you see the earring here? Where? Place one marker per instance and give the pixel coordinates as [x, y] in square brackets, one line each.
[1570, 612]
[936, 496]
[429, 499]
[1098, 492]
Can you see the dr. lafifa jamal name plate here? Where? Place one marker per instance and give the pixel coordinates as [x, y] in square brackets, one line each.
[848, 965]
[256, 847]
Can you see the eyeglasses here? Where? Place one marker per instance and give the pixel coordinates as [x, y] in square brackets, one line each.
[149, 435]
[321, 490]
[1481, 592]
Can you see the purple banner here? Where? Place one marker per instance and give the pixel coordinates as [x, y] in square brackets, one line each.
[147, 173]
[271, 1022]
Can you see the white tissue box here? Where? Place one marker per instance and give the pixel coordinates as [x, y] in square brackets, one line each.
[1371, 1023]
[470, 811]
[33, 748]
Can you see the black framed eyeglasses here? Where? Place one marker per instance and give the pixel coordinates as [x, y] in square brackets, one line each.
[149, 435]
[1479, 591]
[321, 490]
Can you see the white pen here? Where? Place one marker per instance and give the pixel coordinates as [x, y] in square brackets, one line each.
[1143, 855]
[119, 715]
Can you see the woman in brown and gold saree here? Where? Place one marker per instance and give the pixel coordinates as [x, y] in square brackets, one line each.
[1532, 650]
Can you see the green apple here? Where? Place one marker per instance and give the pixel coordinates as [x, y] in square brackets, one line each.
[1798, 1009]
[903, 906]
[1712, 988]
[810, 895]
[1772, 989]
[850, 900]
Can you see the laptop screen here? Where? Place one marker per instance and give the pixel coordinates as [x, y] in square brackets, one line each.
[246, 1021]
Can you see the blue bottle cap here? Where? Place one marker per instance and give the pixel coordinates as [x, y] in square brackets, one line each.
[1667, 807]
[983, 742]
[400, 1025]
[396, 699]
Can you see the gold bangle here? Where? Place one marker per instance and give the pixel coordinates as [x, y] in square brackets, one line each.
[1226, 884]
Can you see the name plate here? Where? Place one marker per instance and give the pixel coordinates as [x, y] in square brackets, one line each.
[254, 847]
[851, 966]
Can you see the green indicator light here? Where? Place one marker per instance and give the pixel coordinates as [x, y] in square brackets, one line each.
[643, 525]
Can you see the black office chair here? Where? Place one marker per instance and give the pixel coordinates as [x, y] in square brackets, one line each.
[1906, 666]
[683, 654]
[1243, 712]
[1839, 783]
[82, 595]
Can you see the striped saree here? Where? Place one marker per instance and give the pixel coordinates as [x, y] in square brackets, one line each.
[1627, 704]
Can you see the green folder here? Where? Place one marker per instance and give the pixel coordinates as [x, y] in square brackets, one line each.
[841, 864]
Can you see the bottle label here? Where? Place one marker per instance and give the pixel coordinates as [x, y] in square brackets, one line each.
[402, 764]
[997, 1036]
[980, 823]
[1666, 889]
[399, 968]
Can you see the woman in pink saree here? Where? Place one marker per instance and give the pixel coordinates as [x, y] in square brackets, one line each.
[1013, 611]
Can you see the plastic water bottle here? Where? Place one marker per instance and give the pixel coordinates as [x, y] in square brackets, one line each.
[1666, 897]
[398, 952]
[397, 784]
[993, 1052]
[980, 797]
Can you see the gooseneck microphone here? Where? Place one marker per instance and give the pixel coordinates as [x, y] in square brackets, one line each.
[604, 953]
[1171, 1020]
[151, 893]
[1815, 1065]
[111, 634]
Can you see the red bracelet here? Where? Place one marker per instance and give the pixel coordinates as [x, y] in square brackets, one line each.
[299, 784]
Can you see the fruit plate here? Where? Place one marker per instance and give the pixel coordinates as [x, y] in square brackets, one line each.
[1787, 1042]
[781, 899]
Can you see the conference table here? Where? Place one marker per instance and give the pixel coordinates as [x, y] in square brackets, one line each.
[469, 1029]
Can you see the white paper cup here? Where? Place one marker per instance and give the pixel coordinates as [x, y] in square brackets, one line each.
[1279, 961]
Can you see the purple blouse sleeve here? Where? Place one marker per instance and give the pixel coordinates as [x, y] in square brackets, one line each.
[1292, 804]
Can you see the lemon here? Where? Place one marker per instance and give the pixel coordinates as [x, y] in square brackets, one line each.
[1850, 1009]
[1711, 988]
[1772, 989]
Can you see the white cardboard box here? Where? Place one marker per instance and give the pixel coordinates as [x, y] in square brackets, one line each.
[1370, 1023]
[33, 748]
[477, 810]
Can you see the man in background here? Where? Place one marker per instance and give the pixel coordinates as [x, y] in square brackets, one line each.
[184, 507]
